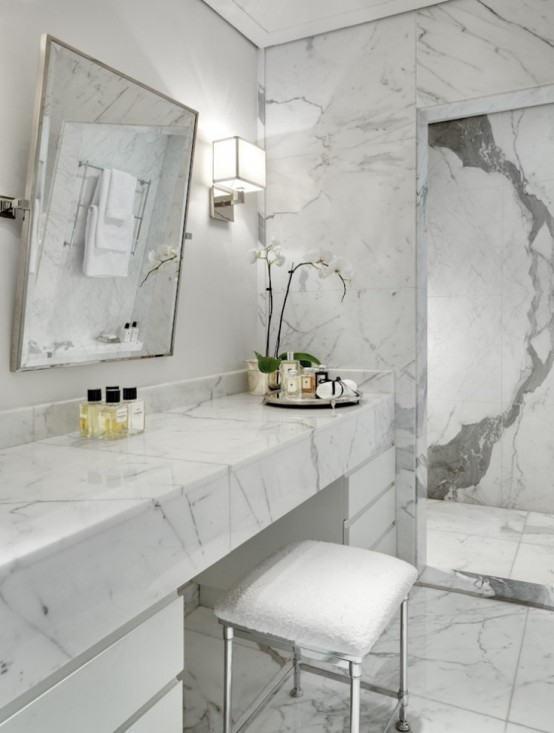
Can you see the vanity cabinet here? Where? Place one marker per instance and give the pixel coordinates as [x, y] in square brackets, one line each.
[130, 685]
[370, 504]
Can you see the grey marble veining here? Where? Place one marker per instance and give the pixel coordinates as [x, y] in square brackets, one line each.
[490, 321]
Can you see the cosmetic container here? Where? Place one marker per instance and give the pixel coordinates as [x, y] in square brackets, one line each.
[134, 333]
[307, 380]
[286, 365]
[321, 375]
[135, 411]
[126, 333]
[88, 414]
[292, 384]
[112, 416]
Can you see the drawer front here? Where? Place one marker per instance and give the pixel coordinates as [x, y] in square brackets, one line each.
[365, 484]
[105, 692]
[166, 716]
[373, 523]
[387, 544]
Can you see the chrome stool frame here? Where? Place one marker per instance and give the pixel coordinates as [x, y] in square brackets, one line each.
[352, 665]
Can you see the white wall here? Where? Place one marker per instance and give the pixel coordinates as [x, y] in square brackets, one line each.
[182, 48]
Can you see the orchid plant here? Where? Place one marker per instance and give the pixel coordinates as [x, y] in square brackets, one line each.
[326, 265]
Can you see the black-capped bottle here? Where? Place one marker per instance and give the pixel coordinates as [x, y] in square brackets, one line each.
[112, 416]
[135, 411]
[88, 414]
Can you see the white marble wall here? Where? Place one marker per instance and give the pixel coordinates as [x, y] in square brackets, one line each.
[340, 141]
[341, 144]
[491, 323]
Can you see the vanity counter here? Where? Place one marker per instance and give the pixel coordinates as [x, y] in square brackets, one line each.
[94, 533]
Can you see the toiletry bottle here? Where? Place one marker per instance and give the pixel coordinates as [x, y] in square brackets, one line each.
[289, 363]
[88, 414]
[126, 335]
[112, 416]
[308, 381]
[321, 375]
[135, 411]
[134, 333]
[292, 384]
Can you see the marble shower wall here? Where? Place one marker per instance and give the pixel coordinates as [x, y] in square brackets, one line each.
[341, 144]
[491, 320]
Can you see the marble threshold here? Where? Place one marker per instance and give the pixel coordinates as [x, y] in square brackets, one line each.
[94, 533]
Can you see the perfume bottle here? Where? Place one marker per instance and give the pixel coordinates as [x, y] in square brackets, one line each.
[321, 375]
[286, 365]
[135, 411]
[134, 333]
[88, 414]
[307, 379]
[112, 416]
[292, 384]
[126, 333]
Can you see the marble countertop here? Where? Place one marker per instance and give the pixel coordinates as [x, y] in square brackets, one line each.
[93, 532]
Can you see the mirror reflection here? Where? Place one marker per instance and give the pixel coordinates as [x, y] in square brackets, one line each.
[108, 207]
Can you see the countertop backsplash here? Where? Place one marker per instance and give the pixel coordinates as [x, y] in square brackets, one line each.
[27, 424]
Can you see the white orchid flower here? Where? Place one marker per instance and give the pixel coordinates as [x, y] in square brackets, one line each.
[320, 257]
[342, 267]
[151, 256]
[252, 256]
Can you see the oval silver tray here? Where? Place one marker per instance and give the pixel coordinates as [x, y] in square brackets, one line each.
[278, 399]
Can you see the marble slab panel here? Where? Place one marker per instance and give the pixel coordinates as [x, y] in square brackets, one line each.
[315, 202]
[460, 647]
[56, 604]
[534, 564]
[464, 227]
[465, 359]
[532, 702]
[539, 529]
[262, 492]
[483, 521]
[337, 89]
[469, 48]
[468, 552]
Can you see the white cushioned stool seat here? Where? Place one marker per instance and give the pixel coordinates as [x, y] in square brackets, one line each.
[320, 595]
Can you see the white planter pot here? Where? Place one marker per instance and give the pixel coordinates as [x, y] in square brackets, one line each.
[259, 383]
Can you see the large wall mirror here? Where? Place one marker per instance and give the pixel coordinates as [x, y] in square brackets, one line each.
[108, 189]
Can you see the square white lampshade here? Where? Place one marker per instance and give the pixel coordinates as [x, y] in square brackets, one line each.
[238, 164]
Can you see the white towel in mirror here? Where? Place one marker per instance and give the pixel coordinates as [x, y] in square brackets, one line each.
[121, 195]
[108, 241]
[102, 262]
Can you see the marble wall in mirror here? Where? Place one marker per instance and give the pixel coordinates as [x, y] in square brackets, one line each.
[108, 190]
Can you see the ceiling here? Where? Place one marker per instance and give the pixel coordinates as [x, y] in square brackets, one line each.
[269, 22]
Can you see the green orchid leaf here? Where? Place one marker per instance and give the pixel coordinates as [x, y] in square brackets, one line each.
[267, 364]
[306, 360]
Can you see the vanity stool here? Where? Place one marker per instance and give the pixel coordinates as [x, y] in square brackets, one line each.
[324, 601]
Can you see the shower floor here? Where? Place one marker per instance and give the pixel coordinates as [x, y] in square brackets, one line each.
[506, 543]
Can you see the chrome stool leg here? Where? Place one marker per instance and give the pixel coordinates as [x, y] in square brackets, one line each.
[355, 675]
[402, 723]
[227, 678]
[297, 690]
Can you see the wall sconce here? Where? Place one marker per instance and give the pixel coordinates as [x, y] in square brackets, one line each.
[238, 168]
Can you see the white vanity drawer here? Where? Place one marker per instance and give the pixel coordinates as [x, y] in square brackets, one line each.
[367, 482]
[166, 716]
[366, 530]
[106, 691]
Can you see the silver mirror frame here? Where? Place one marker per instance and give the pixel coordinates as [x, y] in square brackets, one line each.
[31, 181]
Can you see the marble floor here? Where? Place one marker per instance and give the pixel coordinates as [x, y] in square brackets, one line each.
[476, 666]
[506, 543]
